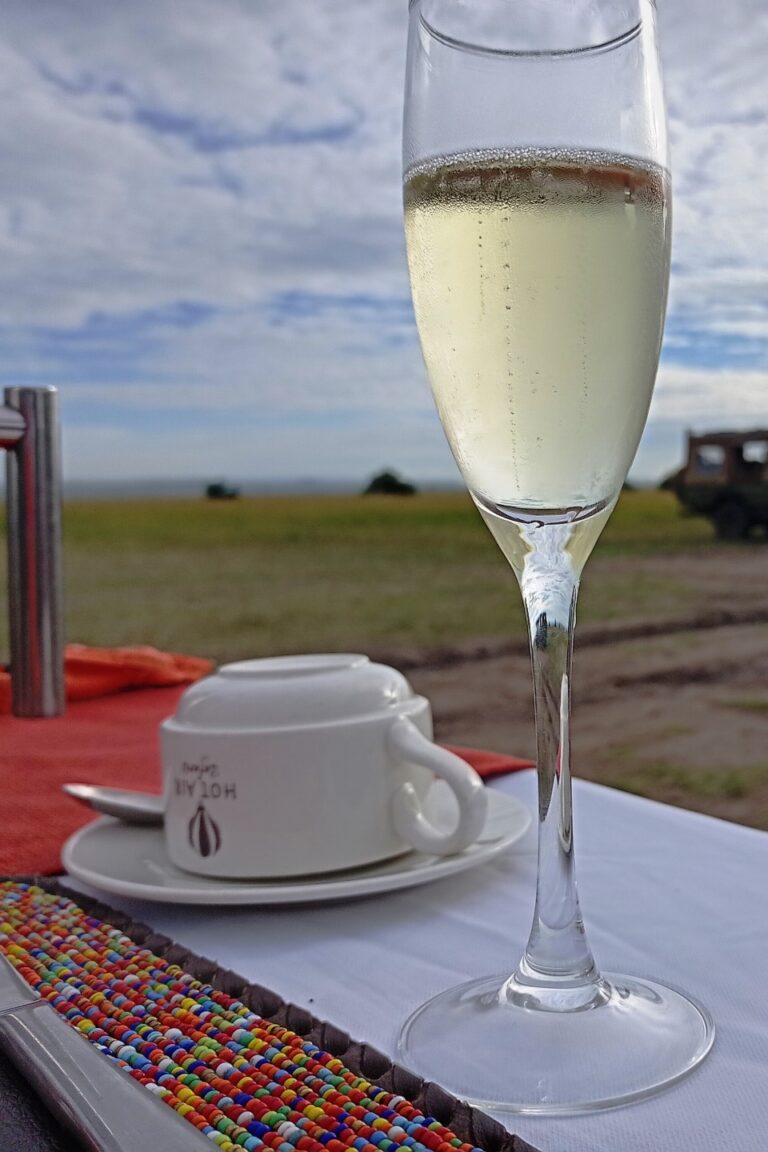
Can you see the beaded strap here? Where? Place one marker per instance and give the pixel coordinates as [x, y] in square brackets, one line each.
[242, 1081]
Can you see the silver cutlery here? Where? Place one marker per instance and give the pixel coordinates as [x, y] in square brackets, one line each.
[131, 807]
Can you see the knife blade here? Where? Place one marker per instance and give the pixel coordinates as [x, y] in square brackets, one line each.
[85, 1089]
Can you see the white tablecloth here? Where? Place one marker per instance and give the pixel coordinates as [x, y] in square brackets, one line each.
[665, 893]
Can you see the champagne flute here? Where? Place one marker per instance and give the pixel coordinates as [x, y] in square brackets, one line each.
[537, 215]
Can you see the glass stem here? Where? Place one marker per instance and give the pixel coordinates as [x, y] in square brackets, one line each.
[557, 957]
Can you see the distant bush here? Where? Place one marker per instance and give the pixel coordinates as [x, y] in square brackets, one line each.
[221, 491]
[388, 484]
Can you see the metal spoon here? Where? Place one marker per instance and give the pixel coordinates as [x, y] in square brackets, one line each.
[131, 807]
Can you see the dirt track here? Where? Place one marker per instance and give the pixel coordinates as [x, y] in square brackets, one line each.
[677, 710]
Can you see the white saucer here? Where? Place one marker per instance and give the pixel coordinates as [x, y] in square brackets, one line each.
[131, 860]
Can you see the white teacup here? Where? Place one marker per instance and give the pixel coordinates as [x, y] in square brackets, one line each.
[306, 764]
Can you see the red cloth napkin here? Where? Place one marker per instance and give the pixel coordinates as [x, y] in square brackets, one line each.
[109, 739]
[90, 672]
[488, 764]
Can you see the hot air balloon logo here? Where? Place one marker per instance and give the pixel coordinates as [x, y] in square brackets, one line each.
[204, 834]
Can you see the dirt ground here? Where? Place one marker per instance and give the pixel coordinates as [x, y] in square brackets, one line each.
[677, 711]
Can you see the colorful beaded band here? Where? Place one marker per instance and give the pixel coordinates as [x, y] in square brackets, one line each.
[242, 1081]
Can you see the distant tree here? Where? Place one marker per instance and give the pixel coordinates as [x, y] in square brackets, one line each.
[221, 491]
[388, 484]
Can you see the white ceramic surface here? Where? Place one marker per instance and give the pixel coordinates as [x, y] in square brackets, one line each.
[306, 764]
[291, 691]
[130, 860]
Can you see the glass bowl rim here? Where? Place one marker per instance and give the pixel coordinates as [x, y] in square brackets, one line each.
[609, 44]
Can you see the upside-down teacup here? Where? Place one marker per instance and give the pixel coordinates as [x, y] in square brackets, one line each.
[296, 765]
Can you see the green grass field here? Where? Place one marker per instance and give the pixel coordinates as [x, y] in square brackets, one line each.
[280, 574]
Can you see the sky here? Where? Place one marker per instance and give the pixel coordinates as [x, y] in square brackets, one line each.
[201, 236]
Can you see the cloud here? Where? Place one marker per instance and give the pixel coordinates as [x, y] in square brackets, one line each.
[201, 235]
[716, 88]
[699, 396]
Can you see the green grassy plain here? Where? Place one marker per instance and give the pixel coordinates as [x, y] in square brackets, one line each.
[279, 574]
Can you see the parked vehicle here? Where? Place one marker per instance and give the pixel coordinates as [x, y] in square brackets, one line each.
[725, 478]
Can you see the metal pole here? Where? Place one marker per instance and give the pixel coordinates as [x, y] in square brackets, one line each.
[29, 430]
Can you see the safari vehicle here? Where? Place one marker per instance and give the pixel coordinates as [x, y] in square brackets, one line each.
[726, 478]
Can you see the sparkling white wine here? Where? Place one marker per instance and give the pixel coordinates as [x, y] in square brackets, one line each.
[539, 283]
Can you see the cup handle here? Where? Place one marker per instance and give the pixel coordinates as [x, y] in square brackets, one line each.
[406, 742]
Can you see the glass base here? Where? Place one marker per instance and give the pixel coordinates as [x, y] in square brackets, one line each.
[507, 1047]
